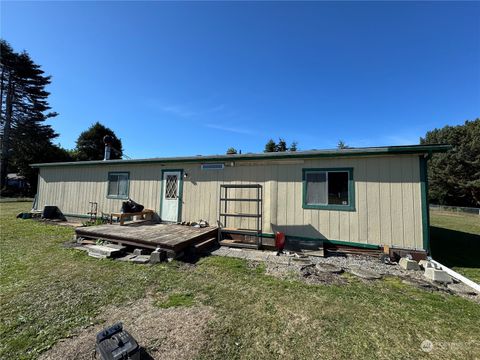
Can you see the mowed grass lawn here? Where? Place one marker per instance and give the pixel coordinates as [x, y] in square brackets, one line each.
[48, 291]
[455, 241]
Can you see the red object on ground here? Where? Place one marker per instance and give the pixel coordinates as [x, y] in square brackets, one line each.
[279, 240]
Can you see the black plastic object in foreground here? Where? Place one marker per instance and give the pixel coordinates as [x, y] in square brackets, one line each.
[114, 343]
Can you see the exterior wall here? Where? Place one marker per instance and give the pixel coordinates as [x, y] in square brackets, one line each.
[387, 211]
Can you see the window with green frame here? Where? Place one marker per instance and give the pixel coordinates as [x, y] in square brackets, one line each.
[330, 189]
[118, 185]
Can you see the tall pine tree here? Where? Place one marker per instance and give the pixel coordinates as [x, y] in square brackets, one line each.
[25, 138]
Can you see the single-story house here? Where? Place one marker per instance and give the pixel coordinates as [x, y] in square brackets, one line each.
[366, 197]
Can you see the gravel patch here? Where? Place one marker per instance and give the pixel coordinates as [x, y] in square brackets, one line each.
[173, 333]
[318, 270]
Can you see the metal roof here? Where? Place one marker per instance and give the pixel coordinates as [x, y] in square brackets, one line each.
[349, 152]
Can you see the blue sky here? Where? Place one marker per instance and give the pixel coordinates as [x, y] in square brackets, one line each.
[196, 78]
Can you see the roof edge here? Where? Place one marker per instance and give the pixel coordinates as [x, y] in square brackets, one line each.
[350, 152]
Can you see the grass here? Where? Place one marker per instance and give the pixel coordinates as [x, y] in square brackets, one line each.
[175, 300]
[47, 291]
[455, 242]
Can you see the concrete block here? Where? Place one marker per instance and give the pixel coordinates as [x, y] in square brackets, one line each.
[437, 275]
[158, 256]
[423, 264]
[139, 252]
[102, 251]
[408, 264]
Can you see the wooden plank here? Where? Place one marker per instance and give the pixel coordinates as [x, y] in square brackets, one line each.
[175, 237]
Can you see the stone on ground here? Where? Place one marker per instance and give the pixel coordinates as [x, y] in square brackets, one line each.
[365, 274]
[462, 289]
[328, 268]
[419, 283]
[127, 257]
[407, 264]
[140, 259]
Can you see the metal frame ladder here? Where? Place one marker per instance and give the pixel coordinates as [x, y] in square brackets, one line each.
[258, 215]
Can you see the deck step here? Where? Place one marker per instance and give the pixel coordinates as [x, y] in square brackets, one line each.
[204, 245]
[103, 251]
[238, 244]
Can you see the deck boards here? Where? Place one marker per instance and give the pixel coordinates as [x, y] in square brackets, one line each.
[166, 236]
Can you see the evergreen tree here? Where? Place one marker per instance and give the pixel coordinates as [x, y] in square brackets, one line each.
[90, 144]
[24, 109]
[231, 151]
[454, 177]
[281, 146]
[270, 146]
[341, 145]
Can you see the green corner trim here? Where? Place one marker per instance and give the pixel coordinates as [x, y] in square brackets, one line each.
[119, 197]
[423, 160]
[351, 190]
[180, 193]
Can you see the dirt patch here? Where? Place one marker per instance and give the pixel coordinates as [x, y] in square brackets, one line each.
[173, 333]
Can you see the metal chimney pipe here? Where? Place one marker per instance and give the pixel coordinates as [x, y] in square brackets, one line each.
[107, 139]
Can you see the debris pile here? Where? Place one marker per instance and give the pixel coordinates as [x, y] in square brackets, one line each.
[197, 224]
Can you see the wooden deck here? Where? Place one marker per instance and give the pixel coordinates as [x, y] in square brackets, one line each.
[150, 235]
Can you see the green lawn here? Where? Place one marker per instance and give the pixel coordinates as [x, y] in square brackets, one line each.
[48, 291]
[455, 241]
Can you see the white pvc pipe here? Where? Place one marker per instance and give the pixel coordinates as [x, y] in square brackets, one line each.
[457, 276]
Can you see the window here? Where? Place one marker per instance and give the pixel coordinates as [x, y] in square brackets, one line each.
[331, 189]
[171, 187]
[118, 185]
[213, 166]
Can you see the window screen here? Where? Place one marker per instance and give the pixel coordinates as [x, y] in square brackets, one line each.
[118, 185]
[316, 188]
[327, 187]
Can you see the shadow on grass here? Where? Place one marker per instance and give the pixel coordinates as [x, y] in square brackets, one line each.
[455, 248]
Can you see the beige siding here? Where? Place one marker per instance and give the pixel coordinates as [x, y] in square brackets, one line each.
[387, 196]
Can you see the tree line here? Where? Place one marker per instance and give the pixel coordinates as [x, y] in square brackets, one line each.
[454, 177]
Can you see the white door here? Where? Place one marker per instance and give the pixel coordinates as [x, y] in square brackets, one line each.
[170, 195]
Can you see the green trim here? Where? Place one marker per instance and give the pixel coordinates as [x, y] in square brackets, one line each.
[119, 197]
[423, 160]
[351, 190]
[326, 241]
[352, 152]
[180, 193]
